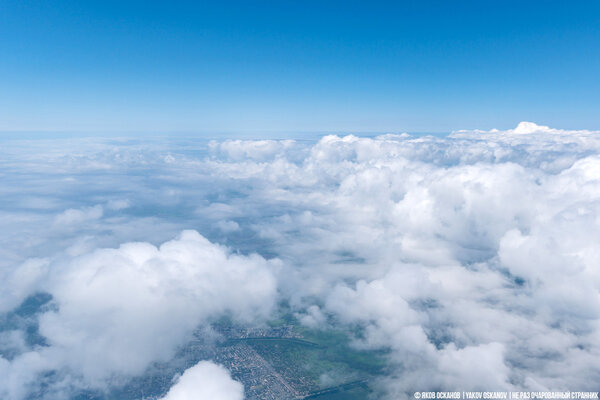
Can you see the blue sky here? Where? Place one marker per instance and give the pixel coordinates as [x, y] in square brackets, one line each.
[291, 67]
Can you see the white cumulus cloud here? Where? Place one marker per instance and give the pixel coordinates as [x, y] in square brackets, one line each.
[205, 380]
[470, 259]
[115, 311]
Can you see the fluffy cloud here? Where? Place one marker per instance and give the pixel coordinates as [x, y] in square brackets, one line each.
[471, 258]
[114, 311]
[480, 246]
[205, 380]
[73, 216]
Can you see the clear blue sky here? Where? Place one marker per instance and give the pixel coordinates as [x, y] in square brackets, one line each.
[297, 66]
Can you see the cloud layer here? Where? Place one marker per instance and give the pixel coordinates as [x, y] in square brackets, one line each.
[472, 258]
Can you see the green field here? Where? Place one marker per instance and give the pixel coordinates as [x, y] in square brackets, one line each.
[322, 359]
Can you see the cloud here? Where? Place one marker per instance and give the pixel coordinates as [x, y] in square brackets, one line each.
[75, 216]
[205, 380]
[118, 204]
[228, 226]
[258, 150]
[471, 259]
[115, 311]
